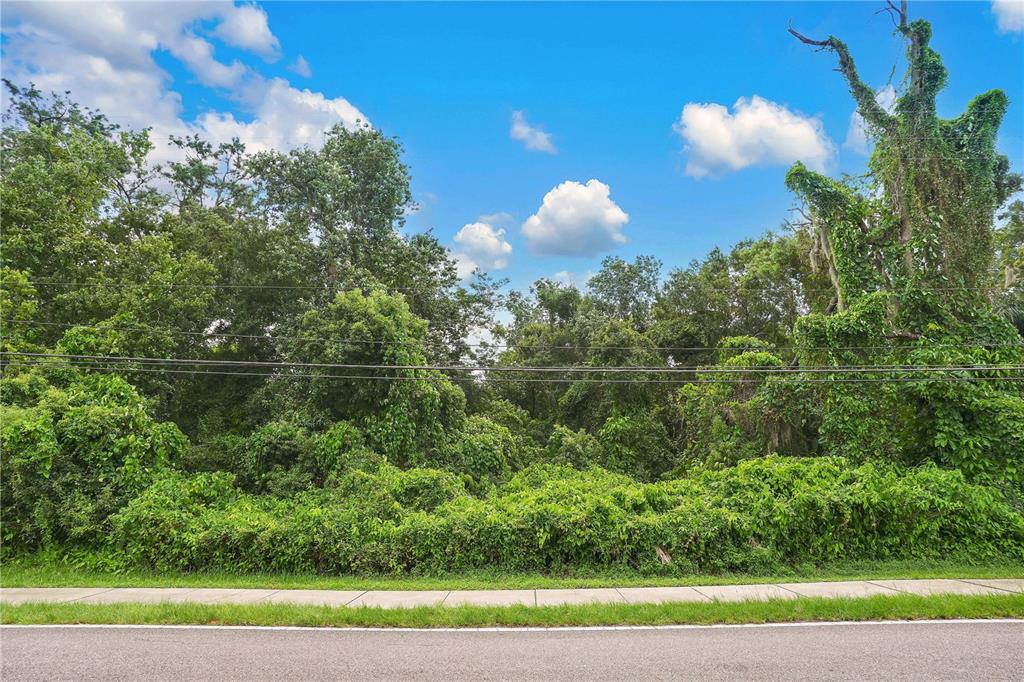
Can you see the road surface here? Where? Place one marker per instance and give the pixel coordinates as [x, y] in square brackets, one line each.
[932, 651]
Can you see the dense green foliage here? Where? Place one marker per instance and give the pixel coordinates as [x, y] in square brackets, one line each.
[759, 514]
[319, 417]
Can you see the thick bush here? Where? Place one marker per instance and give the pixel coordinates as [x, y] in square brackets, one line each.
[276, 459]
[341, 448]
[486, 451]
[759, 514]
[636, 444]
[71, 455]
[578, 449]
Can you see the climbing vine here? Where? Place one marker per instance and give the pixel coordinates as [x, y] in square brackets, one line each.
[924, 229]
[911, 258]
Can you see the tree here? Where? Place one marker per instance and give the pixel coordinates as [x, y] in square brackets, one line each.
[626, 291]
[1009, 264]
[61, 166]
[758, 289]
[929, 237]
[349, 200]
[410, 415]
[911, 262]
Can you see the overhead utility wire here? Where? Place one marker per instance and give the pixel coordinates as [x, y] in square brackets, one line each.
[842, 369]
[277, 337]
[362, 377]
[368, 285]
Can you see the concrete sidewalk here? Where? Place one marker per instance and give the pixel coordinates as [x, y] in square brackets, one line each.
[405, 599]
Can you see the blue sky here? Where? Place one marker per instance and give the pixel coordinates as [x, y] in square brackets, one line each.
[607, 83]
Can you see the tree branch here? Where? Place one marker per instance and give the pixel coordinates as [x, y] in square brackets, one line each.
[864, 95]
[903, 334]
[894, 12]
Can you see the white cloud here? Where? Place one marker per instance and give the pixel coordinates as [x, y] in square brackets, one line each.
[246, 28]
[485, 245]
[197, 54]
[500, 219]
[567, 277]
[481, 245]
[857, 134]
[284, 118]
[757, 131]
[576, 220]
[1009, 15]
[301, 67]
[533, 138]
[464, 265]
[103, 53]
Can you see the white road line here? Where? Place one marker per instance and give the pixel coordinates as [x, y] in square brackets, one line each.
[573, 628]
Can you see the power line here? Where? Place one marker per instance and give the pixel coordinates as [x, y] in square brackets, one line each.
[518, 346]
[362, 377]
[838, 369]
[174, 285]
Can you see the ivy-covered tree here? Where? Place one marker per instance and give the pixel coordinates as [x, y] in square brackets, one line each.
[910, 259]
[927, 234]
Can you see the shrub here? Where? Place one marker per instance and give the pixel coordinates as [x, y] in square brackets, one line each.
[576, 448]
[759, 514]
[72, 456]
[276, 459]
[636, 444]
[485, 452]
[341, 448]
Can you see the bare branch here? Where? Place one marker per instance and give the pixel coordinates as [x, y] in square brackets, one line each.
[804, 39]
[864, 95]
[897, 14]
[891, 10]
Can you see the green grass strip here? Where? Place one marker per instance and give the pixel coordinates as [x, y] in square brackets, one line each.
[896, 607]
[37, 571]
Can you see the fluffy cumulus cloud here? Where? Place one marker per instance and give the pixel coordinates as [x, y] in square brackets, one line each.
[103, 53]
[857, 134]
[246, 27]
[284, 118]
[534, 138]
[757, 131]
[464, 265]
[485, 244]
[576, 220]
[1009, 15]
[482, 245]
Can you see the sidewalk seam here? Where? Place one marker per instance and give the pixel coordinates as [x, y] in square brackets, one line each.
[93, 594]
[358, 596]
[230, 595]
[263, 598]
[783, 587]
[710, 599]
[990, 587]
[621, 596]
[886, 587]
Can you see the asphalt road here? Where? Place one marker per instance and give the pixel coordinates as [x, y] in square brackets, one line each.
[932, 651]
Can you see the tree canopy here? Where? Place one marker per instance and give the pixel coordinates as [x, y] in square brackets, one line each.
[201, 356]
